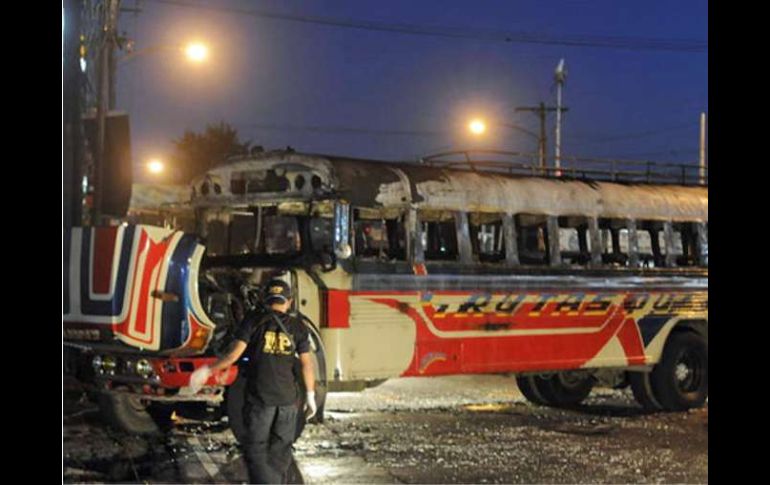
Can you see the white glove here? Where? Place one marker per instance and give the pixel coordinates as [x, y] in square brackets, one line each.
[310, 405]
[199, 378]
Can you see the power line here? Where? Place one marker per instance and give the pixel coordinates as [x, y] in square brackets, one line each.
[340, 130]
[673, 152]
[630, 136]
[618, 42]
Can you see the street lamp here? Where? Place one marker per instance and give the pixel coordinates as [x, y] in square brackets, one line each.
[155, 166]
[479, 127]
[196, 52]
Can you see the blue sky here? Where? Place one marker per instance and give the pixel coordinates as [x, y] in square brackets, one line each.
[385, 95]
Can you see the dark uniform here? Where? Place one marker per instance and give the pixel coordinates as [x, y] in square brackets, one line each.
[270, 410]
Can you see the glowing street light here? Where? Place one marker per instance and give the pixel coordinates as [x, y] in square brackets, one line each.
[196, 52]
[155, 166]
[477, 126]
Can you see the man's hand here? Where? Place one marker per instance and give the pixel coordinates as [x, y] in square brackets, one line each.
[310, 405]
[199, 378]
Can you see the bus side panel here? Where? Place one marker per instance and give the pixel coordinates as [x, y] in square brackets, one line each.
[456, 332]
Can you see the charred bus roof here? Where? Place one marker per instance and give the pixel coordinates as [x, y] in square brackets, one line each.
[277, 176]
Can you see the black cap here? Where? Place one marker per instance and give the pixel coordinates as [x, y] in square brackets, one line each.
[277, 291]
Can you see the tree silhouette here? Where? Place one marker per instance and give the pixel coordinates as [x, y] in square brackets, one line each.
[194, 153]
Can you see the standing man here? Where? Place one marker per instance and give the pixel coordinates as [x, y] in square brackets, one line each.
[270, 409]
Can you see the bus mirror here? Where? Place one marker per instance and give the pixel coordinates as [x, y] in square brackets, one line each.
[342, 248]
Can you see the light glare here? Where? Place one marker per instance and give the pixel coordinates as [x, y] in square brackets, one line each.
[155, 166]
[197, 52]
[477, 127]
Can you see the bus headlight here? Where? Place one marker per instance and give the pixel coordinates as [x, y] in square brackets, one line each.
[109, 365]
[143, 368]
[97, 364]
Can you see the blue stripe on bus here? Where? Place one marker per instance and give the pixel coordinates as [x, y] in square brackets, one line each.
[650, 326]
[175, 328]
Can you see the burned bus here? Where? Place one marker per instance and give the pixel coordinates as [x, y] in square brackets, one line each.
[402, 269]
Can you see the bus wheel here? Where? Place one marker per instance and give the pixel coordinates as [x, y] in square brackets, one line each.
[235, 397]
[529, 386]
[127, 412]
[680, 381]
[568, 388]
[642, 389]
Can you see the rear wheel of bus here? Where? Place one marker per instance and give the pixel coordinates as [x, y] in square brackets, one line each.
[680, 380]
[561, 389]
[569, 388]
[529, 386]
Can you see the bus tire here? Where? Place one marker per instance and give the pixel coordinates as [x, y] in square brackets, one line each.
[565, 389]
[235, 397]
[680, 380]
[125, 411]
[528, 385]
[642, 389]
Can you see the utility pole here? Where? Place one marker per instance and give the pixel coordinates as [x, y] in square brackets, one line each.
[106, 64]
[561, 75]
[702, 165]
[541, 111]
[72, 136]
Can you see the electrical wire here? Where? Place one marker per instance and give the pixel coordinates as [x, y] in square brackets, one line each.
[618, 42]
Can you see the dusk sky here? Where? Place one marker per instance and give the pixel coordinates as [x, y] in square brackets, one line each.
[396, 96]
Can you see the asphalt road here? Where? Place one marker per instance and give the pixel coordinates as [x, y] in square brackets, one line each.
[459, 429]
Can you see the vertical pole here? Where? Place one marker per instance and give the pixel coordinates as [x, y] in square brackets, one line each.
[560, 76]
[542, 137]
[102, 104]
[702, 165]
[72, 144]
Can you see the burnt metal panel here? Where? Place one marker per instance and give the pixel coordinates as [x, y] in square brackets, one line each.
[370, 184]
[435, 281]
[415, 249]
[463, 237]
[633, 243]
[511, 244]
[554, 249]
[703, 243]
[596, 241]
[668, 236]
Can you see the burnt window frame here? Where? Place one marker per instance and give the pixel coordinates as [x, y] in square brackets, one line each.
[396, 233]
[525, 257]
[421, 253]
[500, 243]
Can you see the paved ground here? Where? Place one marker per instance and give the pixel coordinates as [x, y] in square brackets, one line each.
[460, 429]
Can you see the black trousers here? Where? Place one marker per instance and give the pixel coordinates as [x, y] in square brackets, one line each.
[270, 434]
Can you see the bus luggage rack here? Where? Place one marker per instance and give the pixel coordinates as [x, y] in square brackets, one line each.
[519, 163]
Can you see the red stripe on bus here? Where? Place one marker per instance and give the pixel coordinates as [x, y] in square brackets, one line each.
[631, 341]
[339, 308]
[101, 266]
